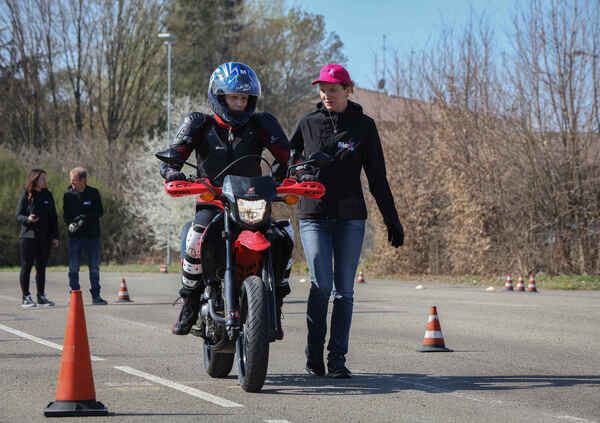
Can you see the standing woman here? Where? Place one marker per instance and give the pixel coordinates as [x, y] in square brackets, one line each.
[36, 212]
[332, 227]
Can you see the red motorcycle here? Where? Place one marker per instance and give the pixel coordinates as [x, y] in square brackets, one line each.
[238, 312]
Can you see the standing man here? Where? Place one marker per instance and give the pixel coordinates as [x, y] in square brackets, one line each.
[82, 209]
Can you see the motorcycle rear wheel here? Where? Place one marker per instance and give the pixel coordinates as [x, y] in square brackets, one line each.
[252, 346]
[217, 365]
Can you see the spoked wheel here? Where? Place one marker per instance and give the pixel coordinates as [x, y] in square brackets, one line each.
[217, 364]
[252, 346]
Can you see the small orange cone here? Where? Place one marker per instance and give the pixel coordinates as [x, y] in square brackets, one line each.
[163, 268]
[75, 393]
[531, 284]
[508, 286]
[520, 284]
[434, 340]
[361, 277]
[123, 293]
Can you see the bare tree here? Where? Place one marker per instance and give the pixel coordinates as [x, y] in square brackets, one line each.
[126, 71]
[556, 82]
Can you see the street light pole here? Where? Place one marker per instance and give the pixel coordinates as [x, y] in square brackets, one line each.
[169, 39]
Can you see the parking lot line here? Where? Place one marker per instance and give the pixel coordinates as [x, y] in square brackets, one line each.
[174, 385]
[39, 340]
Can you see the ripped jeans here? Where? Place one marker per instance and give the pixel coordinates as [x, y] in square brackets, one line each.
[332, 249]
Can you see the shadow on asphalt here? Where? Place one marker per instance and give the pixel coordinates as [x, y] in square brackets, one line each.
[377, 384]
[166, 414]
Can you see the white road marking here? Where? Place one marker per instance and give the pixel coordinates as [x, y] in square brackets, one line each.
[186, 389]
[277, 421]
[576, 419]
[40, 340]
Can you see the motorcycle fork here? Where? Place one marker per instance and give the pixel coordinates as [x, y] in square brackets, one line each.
[232, 307]
[269, 283]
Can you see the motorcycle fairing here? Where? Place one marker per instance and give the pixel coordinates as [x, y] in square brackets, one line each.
[254, 188]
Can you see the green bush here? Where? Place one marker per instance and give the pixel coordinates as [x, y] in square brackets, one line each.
[117, 245]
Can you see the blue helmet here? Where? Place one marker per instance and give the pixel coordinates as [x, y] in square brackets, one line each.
[233, 78]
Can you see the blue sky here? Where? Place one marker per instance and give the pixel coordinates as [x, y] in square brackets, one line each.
[407, 24]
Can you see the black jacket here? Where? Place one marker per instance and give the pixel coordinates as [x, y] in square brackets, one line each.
[352, 138]
[217, 144]
[44, 208]
[87, 204]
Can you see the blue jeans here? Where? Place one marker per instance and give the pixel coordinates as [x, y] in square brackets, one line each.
[332, 249]
[92, 248]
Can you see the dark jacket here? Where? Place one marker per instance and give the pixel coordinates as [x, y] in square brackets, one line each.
[43, 206]
[87, 204]
[352, 138]
[217, 144]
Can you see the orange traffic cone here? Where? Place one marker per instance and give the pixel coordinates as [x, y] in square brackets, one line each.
[508, 286]
[531, 284]
[434, 340]
[123, 294]
[361, 277]
[75, 393]
[163, 268]
[520, 284]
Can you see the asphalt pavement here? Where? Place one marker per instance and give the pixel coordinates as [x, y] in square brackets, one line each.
[518, 357]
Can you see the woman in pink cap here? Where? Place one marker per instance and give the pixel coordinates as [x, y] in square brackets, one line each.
[332, 227]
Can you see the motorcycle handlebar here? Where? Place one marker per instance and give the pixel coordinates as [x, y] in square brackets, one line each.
[202, 185]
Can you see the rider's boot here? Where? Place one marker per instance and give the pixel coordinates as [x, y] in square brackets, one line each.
[189, 313]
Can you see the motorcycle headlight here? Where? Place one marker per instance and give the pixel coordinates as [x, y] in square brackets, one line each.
[251, 212]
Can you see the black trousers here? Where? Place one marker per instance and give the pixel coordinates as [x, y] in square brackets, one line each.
[33, 251]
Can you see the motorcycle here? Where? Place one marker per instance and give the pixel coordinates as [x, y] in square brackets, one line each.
[238, 308]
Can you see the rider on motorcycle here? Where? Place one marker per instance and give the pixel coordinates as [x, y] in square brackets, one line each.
[233, 131]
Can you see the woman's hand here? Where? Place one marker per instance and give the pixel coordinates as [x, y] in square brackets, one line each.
[33, 218]
[55, 243]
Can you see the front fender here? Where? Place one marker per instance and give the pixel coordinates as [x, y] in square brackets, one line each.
[254, 241]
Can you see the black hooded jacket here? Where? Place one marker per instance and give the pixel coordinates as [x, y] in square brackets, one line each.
[352, 138]
[43, 206]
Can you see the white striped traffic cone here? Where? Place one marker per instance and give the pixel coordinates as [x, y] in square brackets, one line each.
[531, 284]
[520, 284]
[508, 286]
[361, 277]
[434, 340]
[123, 293]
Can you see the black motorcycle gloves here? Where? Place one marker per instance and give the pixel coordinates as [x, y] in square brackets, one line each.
[174, 175]
[396, 234]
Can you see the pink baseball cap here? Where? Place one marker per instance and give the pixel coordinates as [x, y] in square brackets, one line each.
[334, 74]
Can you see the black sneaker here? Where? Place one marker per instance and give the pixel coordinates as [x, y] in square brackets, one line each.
[315, 367]
[188, 315]
[98, 301]
[43, 301]
[338, 372]
[28, 302]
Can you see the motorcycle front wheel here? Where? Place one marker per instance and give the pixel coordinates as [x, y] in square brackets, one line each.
[252, 346]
